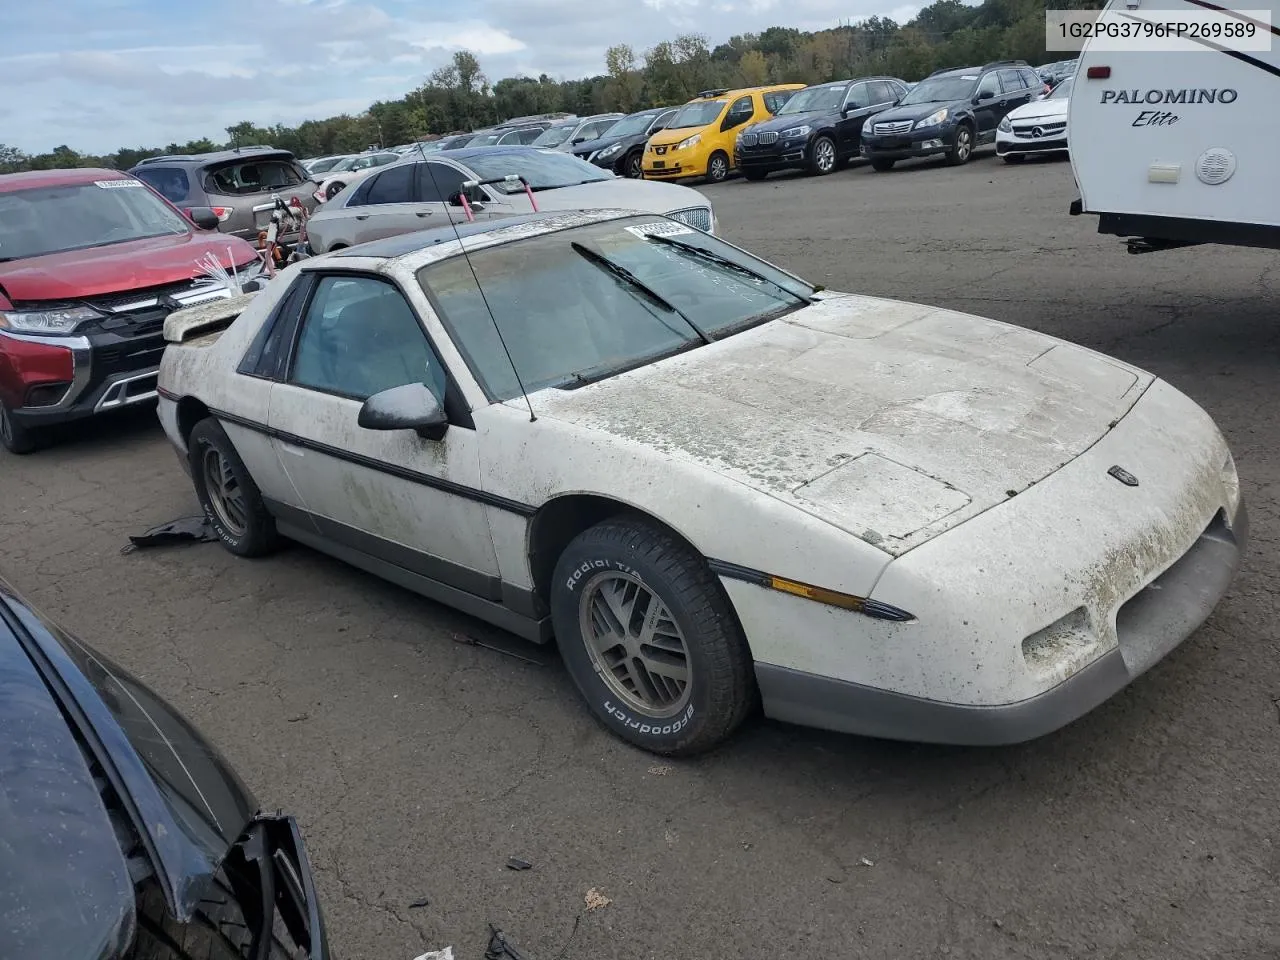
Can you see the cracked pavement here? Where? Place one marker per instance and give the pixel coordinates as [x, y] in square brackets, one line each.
[418, 764]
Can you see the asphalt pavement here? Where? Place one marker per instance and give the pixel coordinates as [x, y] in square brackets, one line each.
[418, 762]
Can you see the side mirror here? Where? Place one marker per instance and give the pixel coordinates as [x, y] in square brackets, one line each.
[410, 407]
[203, 217]
[984, 95]
[578, 140]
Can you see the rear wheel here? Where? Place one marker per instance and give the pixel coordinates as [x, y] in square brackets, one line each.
[823, 158]
[882, 165]
[227, 494]
[717, 167]
[962, 149]
[754, 174]
[333, 190]
[14, 437]
[650, 639]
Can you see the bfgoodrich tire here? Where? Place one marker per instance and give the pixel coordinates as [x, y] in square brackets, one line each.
[227, 494]
[650, 639]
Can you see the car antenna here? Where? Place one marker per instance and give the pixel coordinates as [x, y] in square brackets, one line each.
[476, 277]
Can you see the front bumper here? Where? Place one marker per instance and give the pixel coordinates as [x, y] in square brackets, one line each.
[1151, 625]
[915, 143]
[1007, 143]
[782, 155]
[672, 165]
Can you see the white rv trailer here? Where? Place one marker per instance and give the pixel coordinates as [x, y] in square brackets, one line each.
[1174, 148]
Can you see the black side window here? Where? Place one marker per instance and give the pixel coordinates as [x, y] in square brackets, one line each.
[360, 337]
[265, 356]
[1012, 81]
[1032, 80]
[882, 91]
[392, 186]
[859, 96]
[170, 182]
[988, 86]
[437, 182]
[361, 195]
[773, 101]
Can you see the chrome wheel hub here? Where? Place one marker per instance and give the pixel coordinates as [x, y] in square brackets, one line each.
[224, 493]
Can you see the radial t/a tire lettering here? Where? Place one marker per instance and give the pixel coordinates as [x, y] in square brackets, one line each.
[228, 496]
[650, 638]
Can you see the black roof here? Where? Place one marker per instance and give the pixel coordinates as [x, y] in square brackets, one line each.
[980, 69]
[392, 247]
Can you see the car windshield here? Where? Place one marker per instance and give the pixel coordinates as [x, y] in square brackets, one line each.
[696, 114]
[542, 169]
[554, 136]
[815, 98]
[342, 165]
[323, 166]
[44, 220]
[637, 123]
[942, 89]
[579, 305]
[487, 139]
[1061, 92]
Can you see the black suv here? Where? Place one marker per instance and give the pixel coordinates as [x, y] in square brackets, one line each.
[621, 149]
[240, 185]
[818, 129]
[950, 112]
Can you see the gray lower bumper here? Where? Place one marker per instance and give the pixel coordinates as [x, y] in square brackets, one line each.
[1150, 625]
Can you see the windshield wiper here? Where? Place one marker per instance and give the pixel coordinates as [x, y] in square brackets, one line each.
[629, 279]
[723, 262]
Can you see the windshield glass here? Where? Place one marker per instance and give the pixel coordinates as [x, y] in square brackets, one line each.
[342, 165]
[54, 219]
[815, 98]
[487, 139]
[568, 319]
[942, 89]
[629, 125]
[697, 114]
[543, 170]
[1061, 92]
[554, 136]
[321, 166]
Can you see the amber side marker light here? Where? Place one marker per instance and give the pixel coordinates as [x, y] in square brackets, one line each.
[807, 591]
[1098, 73]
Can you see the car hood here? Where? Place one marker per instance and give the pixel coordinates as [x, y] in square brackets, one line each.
[118, 267]
[673, 135]
[916, 111]
[588, 147]
[185, 801]
[892, 421]
[650, 196]
[788, 120]
[1041, 110]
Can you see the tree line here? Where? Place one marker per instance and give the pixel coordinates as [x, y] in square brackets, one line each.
[459, 96]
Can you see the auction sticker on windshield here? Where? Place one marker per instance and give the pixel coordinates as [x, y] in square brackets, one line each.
[659, 230]
[113, 184]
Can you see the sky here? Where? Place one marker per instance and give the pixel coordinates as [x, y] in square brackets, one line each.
[97, 75]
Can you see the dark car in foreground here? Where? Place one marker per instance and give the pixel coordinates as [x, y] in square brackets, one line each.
[125, 834]
[91, 263]
[621, 149]
[818, 129]
[950, 112]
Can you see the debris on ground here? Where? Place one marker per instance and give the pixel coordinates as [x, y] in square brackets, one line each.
[420, 903]
[445, 954]
[866, 863]
[499, 948]
[659, 771]
[186, 530]
[515, 863]
[515, 648]
[595, 899]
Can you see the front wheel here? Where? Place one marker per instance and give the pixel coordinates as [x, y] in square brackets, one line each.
[1013, 158]
[227, 494]
[962, 149]
[633, 168]
[717, 168]
[754, 174]
[650, 639]
[823, 159]
[14, 437]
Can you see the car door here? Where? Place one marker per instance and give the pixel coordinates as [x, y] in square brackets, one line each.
[386, 205]
[857, 106]
[387, 494]
[987, 110]
[1013, 85]
[438, 182]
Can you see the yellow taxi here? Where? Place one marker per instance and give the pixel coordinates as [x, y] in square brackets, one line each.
[698, 140]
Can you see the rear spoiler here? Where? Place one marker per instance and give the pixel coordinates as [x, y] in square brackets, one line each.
[194, 321]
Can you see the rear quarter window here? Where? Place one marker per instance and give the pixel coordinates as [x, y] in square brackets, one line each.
[172, 183]
[241, 177]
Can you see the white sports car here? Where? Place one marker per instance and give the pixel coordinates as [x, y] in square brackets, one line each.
[1037, 127]
[714, 483]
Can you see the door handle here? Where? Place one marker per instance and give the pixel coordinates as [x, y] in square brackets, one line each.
[363, 216]
[423, 213]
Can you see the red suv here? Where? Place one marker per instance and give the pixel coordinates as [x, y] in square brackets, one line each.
[91, 264]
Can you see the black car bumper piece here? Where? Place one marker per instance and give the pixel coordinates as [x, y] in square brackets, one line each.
[783, 155]
[916, 143]
[1150, 626]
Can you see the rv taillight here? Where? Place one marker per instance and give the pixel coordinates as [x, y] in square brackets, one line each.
[1098, 73]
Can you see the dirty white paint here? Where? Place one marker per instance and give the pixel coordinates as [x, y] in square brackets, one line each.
[189, 322]
[947, 464]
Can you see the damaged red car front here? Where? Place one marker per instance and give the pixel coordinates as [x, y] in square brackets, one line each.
[91, 264]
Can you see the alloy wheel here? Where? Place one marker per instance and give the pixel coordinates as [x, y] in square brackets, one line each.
[824, 156]
[634, 644]
[964, 144]
[635, 166]
[224, 493]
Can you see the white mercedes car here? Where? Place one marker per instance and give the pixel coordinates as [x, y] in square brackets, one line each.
[715, 484]
[1038, 127]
